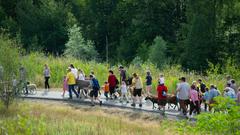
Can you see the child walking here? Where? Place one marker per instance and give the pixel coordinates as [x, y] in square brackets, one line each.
[124, 92]
[65, 86]
[106, 89]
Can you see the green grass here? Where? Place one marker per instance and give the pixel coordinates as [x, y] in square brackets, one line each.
[34, 63]
[56, 118]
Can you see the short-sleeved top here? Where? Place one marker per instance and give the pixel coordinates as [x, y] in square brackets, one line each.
[206, 95]
[213, 93]
[106, 88]
[71, 78]
[160, 90]
[184, 90]
[123, 76]
[81, 76]
[149, 80]
[46, 72]
[137, 83]
[75, 72]
[202, 87]
[194, 95]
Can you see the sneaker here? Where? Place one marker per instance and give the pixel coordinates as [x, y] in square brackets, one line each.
[100, 103]
[140, 105]
[133, 105]
[127, 101]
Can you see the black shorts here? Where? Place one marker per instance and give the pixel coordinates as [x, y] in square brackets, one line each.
[162, 102]
[94, 93]
[137, 92]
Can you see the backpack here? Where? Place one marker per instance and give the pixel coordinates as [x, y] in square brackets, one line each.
[164, 92]
[95, 84]
[117, 82]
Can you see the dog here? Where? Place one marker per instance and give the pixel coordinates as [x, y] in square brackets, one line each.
[31, 87]
[171, 100]
[153, 99]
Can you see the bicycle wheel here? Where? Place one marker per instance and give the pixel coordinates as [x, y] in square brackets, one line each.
[33, 91]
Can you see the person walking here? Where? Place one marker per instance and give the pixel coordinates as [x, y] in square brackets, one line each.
[95, 90]
[124, 92]
[74, 71]
[106, 89]
[148, 83]
[123, 74]
[112, 80]
[162, 96]
[71, 83]
[183, 94]
[137, 89]
[65, 85]
[213, 92]
[206, 99]
[194, 101]
[46, 73]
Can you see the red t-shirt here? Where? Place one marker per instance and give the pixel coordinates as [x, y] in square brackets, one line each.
[112, 80]
[160, 90]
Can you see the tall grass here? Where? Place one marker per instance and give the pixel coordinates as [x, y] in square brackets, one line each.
[66, 120]
[34, 63]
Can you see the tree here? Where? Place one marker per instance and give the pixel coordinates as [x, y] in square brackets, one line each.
[78, 47]
[157, 54]
[9, 63]
[201, 39]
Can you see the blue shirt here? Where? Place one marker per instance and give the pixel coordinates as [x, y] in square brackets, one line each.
[206, 95]
[213, 93]
[230, 94]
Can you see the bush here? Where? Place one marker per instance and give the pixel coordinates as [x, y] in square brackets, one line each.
[224, 121]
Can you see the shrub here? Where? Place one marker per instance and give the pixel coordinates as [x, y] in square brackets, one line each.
[224, 121]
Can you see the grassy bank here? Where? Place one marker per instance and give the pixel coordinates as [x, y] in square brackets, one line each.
[35, 62]
[61, 119]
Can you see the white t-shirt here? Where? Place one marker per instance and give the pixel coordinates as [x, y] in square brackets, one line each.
[81, 76]
[75, 72]
[161, 80]
[124, 89]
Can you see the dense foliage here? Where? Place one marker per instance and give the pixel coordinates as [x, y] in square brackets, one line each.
[195, 32]
[225, 119]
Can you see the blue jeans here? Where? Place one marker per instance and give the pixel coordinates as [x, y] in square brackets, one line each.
[70, 89]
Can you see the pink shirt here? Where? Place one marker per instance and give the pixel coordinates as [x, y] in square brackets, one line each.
[65, 85]
[194, 95]
[238, 97]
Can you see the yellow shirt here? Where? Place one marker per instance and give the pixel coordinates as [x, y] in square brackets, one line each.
[71, 78]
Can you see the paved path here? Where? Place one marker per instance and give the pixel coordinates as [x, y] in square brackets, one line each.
[56, 96]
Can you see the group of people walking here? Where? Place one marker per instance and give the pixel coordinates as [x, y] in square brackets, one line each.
[195, 95]
[198, 93]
